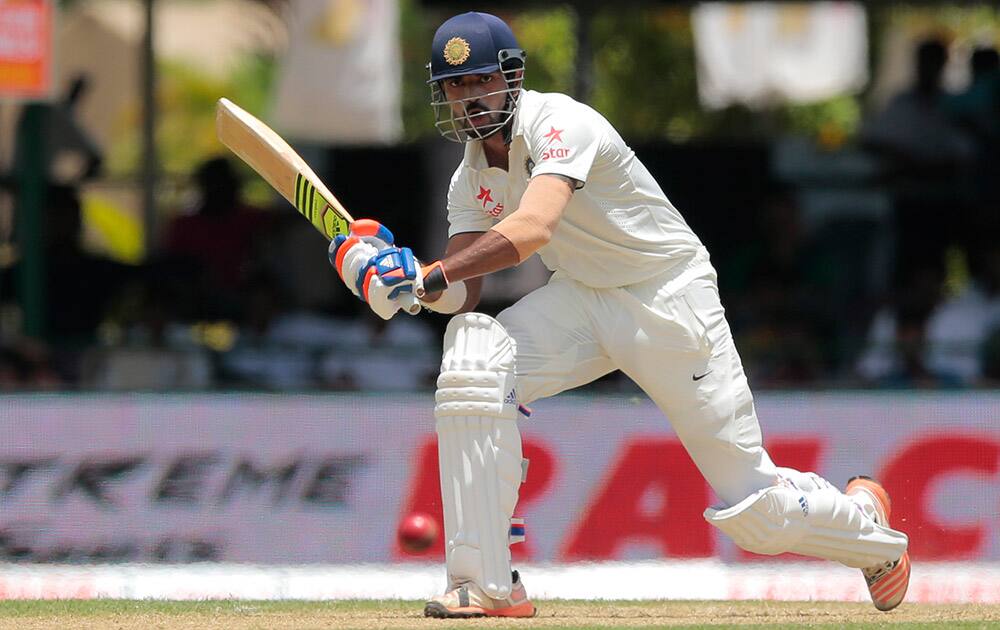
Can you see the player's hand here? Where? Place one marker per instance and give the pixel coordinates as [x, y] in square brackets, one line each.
[394, 276]
[350, 254]
[363, 256]
[404, 274]
[389, 281]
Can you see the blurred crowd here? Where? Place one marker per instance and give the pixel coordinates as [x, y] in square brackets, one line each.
[905, 297]
[887, 278]
[235, 297]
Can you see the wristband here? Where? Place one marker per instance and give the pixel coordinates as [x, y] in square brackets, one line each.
[434, 279]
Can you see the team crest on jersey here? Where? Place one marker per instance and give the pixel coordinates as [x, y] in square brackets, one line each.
[456, 51]
[529, 165]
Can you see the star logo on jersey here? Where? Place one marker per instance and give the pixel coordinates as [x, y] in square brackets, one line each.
[485, 195]
[554, 135]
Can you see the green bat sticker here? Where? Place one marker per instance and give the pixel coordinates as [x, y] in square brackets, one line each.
[318, 210]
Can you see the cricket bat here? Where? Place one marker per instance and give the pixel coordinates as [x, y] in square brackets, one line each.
[273, 159]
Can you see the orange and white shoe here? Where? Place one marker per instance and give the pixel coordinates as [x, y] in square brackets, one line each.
[887, 582]
[468, 600]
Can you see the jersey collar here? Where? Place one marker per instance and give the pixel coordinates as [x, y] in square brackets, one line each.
[527, 106]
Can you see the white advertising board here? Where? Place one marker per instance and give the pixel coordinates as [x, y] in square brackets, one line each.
[326, 478]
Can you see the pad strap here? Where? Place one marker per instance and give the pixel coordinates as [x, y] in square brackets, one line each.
[516, 531]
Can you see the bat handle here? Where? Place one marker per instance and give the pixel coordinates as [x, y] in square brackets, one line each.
[410, 303]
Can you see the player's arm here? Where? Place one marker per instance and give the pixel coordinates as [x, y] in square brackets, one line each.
[512, 240]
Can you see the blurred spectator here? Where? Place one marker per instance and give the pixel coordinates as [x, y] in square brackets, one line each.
[256, 360]
[295, 255]
[219, 237]
[911, 370]
[401, 354]
[914, 130]
[79, 285]
[145, 369]
[959, 327]
[925, 341]
[928, 158]
[978, 106]
[991, 359]
[144, 343]
[977, 110]
[27, 365]
[895, 352]
[771, 289]
[284, 349]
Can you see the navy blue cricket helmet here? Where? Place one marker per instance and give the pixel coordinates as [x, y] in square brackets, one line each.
[474, 43]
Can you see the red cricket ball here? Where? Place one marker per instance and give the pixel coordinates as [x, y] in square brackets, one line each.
[417, 532]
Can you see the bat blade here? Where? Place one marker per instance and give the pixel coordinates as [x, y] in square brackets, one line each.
[273, 159]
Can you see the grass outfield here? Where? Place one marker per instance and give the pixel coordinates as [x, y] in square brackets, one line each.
[288, 615]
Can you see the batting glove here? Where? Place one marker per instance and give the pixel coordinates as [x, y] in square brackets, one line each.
[366, 254]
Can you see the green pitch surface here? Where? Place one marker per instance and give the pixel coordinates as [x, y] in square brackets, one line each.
[288, 615]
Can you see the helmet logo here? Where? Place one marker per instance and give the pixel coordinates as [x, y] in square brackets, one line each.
[456, 51]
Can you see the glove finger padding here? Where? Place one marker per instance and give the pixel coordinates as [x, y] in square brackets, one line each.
[380, 298]
[397, 268]
[373, 232]
[350, 255]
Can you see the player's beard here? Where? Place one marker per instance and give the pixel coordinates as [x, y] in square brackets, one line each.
[478, 121]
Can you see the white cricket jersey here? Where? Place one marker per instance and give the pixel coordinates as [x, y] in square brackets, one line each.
[618, 229]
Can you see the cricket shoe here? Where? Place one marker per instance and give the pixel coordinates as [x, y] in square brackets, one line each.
[468, 600]
[887, 582]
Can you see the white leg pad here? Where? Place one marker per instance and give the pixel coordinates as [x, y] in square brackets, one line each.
[821, 522]
[479, 451]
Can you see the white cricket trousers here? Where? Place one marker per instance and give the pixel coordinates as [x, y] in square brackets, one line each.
[668, 334]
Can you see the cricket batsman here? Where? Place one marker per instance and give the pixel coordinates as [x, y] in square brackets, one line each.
[633, 289]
